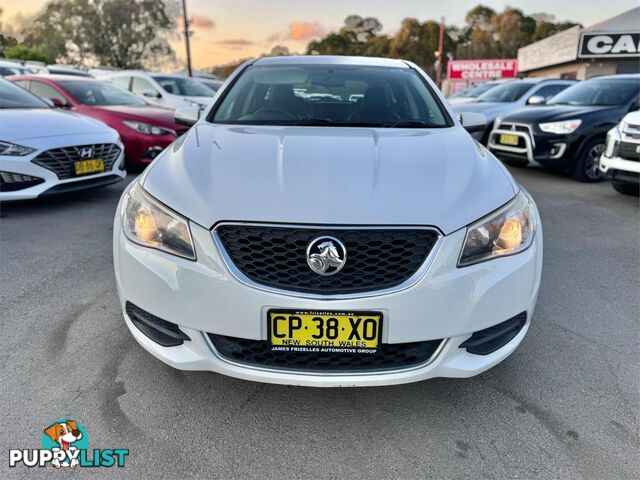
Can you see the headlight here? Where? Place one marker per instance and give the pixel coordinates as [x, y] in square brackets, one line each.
[507, 231]
[147, 222]
[13, 150]
[568, 126]
[621, 126]
[147, 128]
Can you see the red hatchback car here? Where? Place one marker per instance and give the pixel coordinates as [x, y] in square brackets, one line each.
[145, 130]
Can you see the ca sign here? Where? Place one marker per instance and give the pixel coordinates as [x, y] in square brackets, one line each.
[604, 44]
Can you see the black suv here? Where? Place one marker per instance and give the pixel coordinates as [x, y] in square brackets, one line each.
[570, 131]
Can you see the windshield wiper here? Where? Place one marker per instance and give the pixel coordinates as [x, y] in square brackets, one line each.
[411, 124]
[310, 122]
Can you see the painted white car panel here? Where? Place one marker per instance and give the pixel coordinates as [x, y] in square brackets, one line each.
[447, 302]
[45, 129]
[25, 123]
[330, 175]
[168, 99]
[617, 134]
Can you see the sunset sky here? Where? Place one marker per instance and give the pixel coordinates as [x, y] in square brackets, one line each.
[227, 30]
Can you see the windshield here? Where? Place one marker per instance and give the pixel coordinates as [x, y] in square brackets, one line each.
[331, 95]
[183, 86]
[12, 96]
[598, 92]
[211, 84]
[5, 70]
[480, 89]
[99, 93]
[509, 92]
[68, 71]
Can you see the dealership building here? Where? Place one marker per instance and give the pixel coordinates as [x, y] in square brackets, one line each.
[609, 47]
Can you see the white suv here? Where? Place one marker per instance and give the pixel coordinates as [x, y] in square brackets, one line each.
[328, 222]
[620, 161]
[163, 89]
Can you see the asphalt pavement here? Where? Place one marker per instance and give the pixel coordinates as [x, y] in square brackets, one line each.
[564, 405]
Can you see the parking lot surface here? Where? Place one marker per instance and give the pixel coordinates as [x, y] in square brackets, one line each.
[565, 405]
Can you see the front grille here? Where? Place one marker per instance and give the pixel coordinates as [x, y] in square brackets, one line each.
[61, 160]
[514, 127]
[629, 151]
[376, 258]
[632, 131]
[389, 356]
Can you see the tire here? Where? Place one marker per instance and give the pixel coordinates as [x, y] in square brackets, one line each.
[585, 167]
[626, 188]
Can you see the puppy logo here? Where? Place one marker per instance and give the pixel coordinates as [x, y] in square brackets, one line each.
[65, 434]
[65, 443]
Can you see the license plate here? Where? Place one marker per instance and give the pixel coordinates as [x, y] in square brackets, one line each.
[89, 166]
[324, 332]
[507, 139]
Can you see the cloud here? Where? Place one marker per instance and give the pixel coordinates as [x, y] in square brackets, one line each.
[299, 32]
[235, 42]
[200, 21]
[305, 30]
[275, 37]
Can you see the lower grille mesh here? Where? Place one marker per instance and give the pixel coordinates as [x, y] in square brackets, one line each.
[629, 151]
[389, 356]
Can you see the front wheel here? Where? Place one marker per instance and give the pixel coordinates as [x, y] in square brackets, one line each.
[585, 167]
[626, 188]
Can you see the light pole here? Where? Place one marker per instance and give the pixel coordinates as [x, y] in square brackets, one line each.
[187, 35]
[440, 59]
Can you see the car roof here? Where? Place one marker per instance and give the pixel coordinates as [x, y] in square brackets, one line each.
[622, 76]
[331, 60]
[536, 80]
[55, 77]
[124, 73]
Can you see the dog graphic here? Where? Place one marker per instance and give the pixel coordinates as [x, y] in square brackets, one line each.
[64, 434]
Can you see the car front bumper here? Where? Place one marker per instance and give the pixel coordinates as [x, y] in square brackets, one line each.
[447, 303]
[142, 149]
[621, 169]
[48, 182]
[533, 147]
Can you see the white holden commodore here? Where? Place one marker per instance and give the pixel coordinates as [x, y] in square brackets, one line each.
[328, 222]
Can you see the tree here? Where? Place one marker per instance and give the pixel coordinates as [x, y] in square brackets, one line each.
[489, 34]
[418, 43]
[357, 36]
[545, 29]
[512, 30]
[23, 52]
[118, 33]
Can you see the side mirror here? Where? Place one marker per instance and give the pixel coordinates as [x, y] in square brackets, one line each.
[57, 103]
[151, 94]
[186, 115]
[536, 100]
[473, 122]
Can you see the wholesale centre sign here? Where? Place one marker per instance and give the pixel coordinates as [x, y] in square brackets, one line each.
[482, 70]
